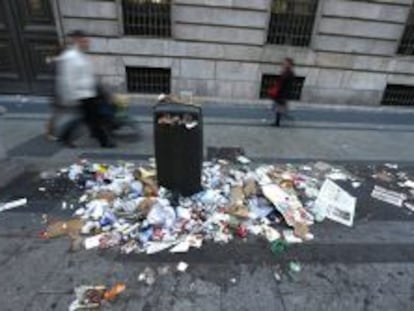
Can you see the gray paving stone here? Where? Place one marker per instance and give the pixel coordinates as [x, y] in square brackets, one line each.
[8, 248]
[52, 302]
[26, 271]
[255, 290]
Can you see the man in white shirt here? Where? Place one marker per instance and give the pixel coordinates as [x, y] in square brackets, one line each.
[77, 87]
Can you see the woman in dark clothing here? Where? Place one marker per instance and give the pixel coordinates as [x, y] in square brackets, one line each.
[283, 88]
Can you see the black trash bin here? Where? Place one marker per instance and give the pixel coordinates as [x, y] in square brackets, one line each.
[178, 134]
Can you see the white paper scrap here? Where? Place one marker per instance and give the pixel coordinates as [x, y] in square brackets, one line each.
[93, 241]
[182, 266]
[243, 159]
[156, 247]
[195, 241]
[182, 247]
[356, 184]
[409, 184]
[409, 206]
[270, 233]
[391, 166]
[337, 176]
[388, 196]
[290, 237]
[337, 204]
[13, 204]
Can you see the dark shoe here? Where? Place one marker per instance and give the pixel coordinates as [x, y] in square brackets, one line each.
[277, 119]
[51, 137]
[70, 144]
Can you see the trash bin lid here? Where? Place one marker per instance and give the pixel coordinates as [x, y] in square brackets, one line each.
[176, 108]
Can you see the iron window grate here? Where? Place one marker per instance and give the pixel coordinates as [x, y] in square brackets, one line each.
[148, 80]
[398, 95]
[147, 17]
[407, 42]
[291, 22]
[294, 93]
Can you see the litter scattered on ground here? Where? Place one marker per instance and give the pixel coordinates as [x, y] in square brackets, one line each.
[92, 297]
[356, 184]
[388, 196]
[410, 206]
[335, 203]
[391, 166]
[290, 237]
[243, 160]
[48, 175]
[182, 266]
[278, 247]
[164, 270]
[13, 204]
[337, 175]
[62, 228]
[122, 207]
[384, 176]
[295, 267]
[277, 276]
[148, 276]
[408, 184]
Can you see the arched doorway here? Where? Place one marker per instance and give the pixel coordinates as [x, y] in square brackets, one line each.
[27, 36]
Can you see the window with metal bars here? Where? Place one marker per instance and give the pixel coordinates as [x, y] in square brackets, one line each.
[398, 95]
[294, 92]
[150, 18]
[148, 80]
[407, 41]
[291, 22]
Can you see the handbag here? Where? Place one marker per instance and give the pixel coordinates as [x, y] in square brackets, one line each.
[273, 90]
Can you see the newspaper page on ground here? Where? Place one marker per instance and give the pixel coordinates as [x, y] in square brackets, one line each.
[337, 204]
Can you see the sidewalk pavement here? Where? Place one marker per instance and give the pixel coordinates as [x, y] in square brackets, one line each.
[138, 99]
[345, 136]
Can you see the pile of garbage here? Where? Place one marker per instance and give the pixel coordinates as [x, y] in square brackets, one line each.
[122, 206]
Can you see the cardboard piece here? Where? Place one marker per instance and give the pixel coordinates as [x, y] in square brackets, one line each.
[287, 204]
[250, 188]
[60, 228]
[238, 211]
[237, 195]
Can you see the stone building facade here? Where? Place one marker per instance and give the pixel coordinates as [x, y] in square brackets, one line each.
[222, 48]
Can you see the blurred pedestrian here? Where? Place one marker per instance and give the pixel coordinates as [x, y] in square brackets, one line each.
[55, 103]
[280, 89]
[77, 85]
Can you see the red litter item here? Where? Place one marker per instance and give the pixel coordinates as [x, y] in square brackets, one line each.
[241, 231]
[43, 235]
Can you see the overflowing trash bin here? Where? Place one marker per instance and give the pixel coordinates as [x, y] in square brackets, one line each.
[178, 134]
